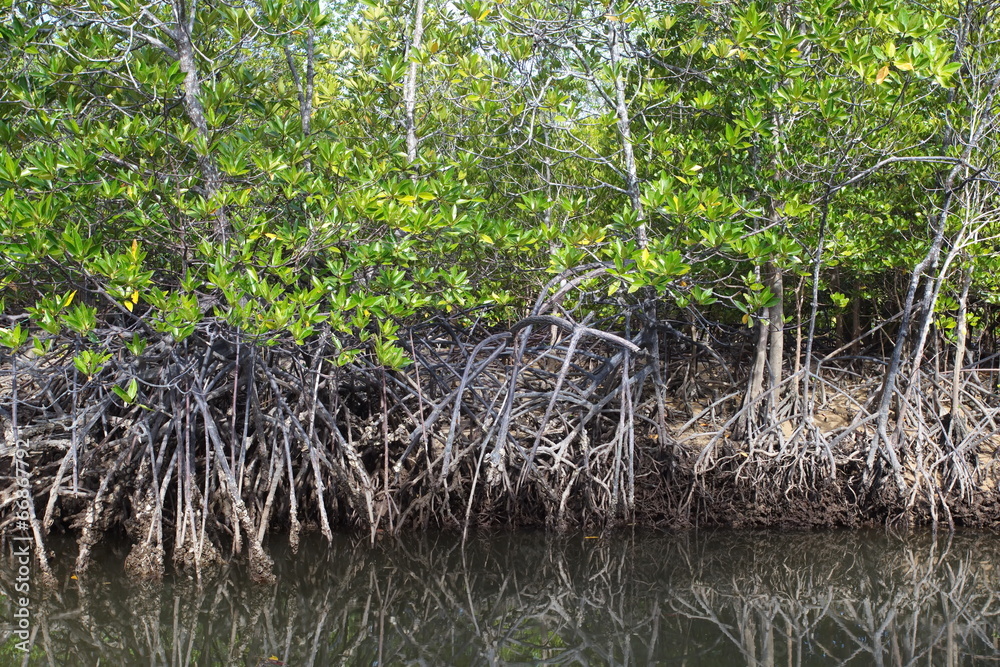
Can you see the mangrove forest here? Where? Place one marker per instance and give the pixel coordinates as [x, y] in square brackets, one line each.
[278, 267]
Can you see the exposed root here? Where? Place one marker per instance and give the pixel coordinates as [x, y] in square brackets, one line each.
[557, 421]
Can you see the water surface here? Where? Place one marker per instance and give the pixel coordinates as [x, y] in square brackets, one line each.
[693, 598]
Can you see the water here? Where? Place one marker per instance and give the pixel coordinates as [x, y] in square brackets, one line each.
[697, 598]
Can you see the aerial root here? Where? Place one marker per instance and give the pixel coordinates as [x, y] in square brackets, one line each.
[555, 421]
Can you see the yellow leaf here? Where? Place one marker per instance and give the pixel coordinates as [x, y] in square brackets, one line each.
[135, 247]
[906, 67]
[271, 236]
[69, 299]
[135, 296]
[882, 73]
[128, 304]
[73, 577]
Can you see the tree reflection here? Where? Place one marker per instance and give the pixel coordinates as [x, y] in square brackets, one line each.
[765, 599]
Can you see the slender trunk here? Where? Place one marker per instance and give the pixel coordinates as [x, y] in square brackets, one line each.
[625, 133]
[933, 286]
[889, 385]
[756, 384]
[814, 305]
[776, 332]
[305, 82]
[797, 360]
[856, 322]
[184, 15]
[881, 440]
[693, 363]
[410, 85]
[310, 82]
[841, 325]
[956, 378]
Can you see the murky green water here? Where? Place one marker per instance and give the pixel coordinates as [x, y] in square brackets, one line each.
[705, 598]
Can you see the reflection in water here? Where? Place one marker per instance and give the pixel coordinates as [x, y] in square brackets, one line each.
[724, 598]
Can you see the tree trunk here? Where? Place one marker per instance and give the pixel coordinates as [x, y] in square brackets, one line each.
[856, 323]
[814, 304]
[755, 386]
[955, 425]
[625, 133]
[881, 440]
[776, 332]
[305, 83]
[184, 15]
[841, 325]
[797, 359]
[410, 85]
